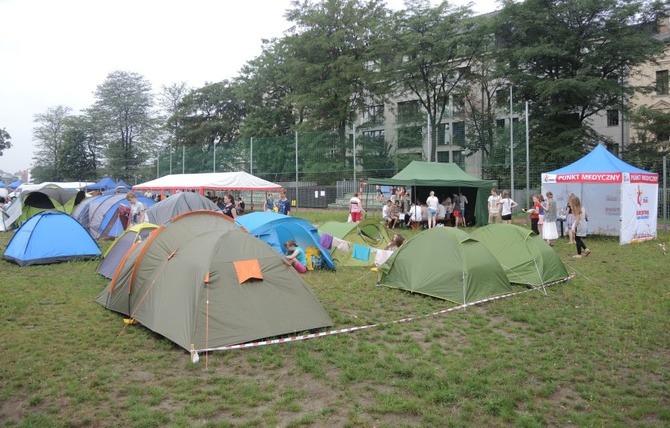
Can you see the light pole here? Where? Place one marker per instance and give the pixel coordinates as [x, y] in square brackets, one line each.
[216, 141]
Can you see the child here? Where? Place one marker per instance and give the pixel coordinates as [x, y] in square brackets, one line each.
[296, 256]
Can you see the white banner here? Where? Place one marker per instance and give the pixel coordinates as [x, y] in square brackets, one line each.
[639, 210]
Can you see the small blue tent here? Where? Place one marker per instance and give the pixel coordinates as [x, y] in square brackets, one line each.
[102, 185]
[50, 237]
[275, 229]
[122, 183]
[15, 184]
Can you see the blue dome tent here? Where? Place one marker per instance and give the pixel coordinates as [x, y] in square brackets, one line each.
[275, 229]
[50, 237]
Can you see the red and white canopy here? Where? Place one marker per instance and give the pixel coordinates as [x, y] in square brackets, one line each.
[239, 180]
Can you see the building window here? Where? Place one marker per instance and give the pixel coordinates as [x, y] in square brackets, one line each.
[409, 111]
[443, 157]
[410, 137]
[443, 136]
[612, 117]
[662, 82]
[374, 134]
[459, 133]
[502, 98]
[500, 123]
[374, 115]
[458, 158]
[458, 103]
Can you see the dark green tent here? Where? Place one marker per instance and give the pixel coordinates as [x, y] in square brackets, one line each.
[444, 178]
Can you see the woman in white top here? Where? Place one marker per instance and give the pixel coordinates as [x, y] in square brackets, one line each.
[506, 205]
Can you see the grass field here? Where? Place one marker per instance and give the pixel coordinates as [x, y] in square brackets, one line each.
[593, 352]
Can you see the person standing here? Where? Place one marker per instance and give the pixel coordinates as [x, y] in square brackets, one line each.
[229, 206]
[494, 207]
[549, 230]
[506, 205]
[355, 208]
[284, 205]
[136, 209]
[534, 215]
[431, 204]
[461, 202]
[579, 226]
[269, 203]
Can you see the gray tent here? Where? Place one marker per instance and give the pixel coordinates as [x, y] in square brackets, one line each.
[182, 202]
[204, 282]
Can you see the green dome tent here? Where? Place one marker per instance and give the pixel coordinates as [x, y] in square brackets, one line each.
[446, 263]
[526, 258]
[49, 197]
[203, 282]
[369, 233]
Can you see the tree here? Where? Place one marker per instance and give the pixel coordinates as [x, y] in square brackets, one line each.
[649, 142]
[429, 52]
[76, 160]
[169, 99]
[327, 59]
[49, 135]
[213, 113]
[264, 92]
[123, 109]
[4, 140]
[568, 59]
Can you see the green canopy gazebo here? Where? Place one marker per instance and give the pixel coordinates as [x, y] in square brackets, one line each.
[444, 178]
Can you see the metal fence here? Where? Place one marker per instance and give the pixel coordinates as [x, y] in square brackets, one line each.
[319, 168]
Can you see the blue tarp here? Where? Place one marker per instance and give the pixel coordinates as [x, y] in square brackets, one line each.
[15, 184]
[599, 160]
[50, 237]
[122, 183]
[275, 229]
[102, 185]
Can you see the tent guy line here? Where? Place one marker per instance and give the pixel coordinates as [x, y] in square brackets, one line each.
[195, 357]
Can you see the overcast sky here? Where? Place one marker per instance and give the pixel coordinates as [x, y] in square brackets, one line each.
[56, 52]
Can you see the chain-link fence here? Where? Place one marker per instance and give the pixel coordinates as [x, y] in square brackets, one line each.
[318, 168]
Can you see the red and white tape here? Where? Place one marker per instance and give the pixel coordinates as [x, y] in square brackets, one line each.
[195, 353]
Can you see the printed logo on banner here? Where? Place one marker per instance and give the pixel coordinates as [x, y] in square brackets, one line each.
[641, 198]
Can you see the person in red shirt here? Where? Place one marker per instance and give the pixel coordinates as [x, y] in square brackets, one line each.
[535, 215]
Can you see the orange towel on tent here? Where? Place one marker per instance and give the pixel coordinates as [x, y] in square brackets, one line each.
[248, 269]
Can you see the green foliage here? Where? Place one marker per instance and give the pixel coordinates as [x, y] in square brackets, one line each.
[568, 58]
[5, 142]
[650, 140]
[49, 134]
[432, 49]
[325, 58]
[77, 159]
[123, 112]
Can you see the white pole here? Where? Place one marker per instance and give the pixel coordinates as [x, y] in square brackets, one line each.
[527, 156]
[428, 139]
[216, 140]
[511, 143]
[251, 161]
[170, 157]
[183, 159]
[296, 169]
[354, 151]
